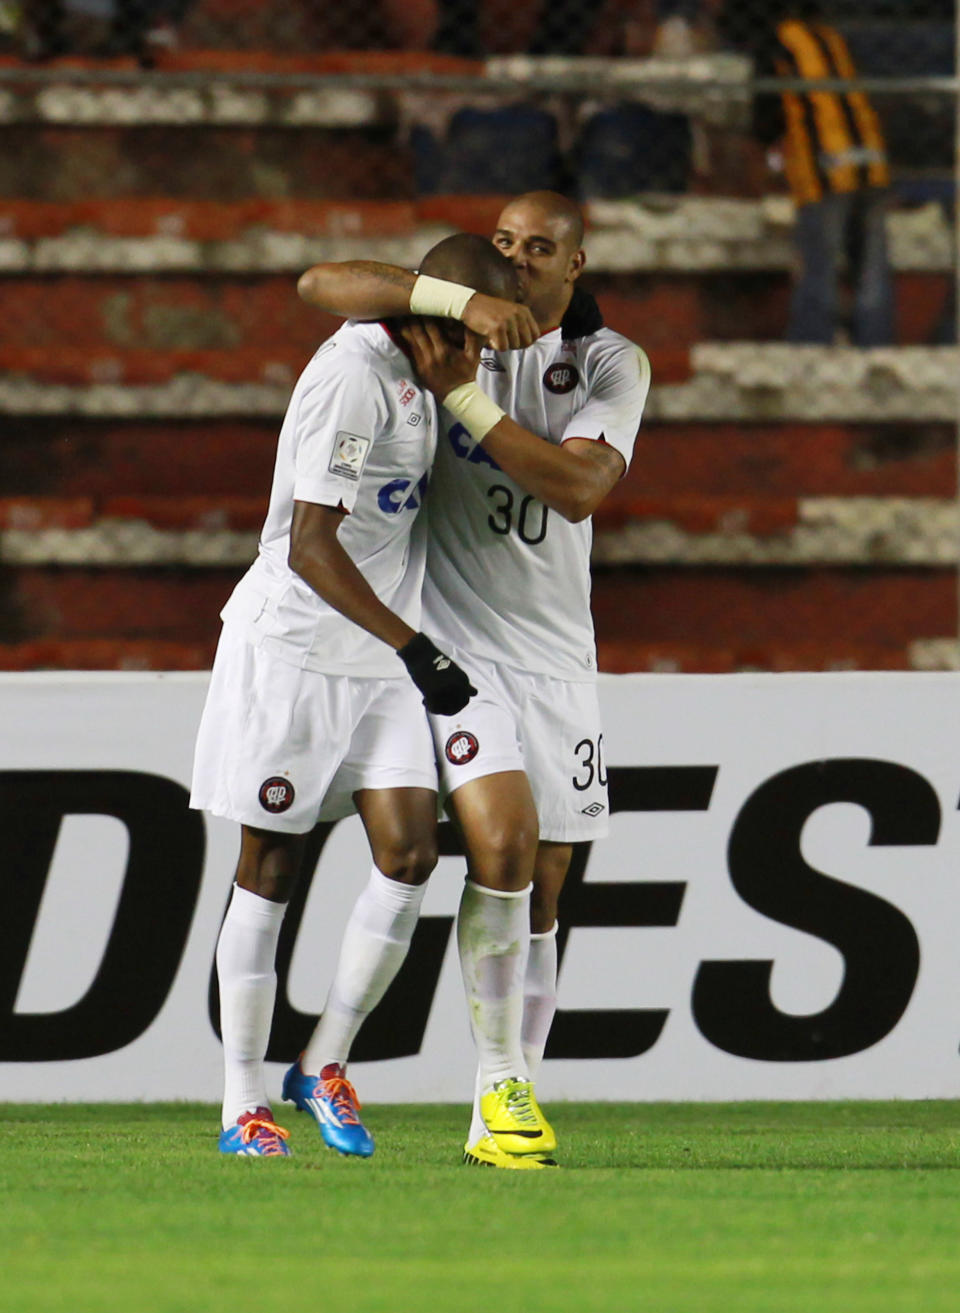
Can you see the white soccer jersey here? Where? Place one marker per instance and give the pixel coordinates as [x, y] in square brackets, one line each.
[507, 578]
[360, 433]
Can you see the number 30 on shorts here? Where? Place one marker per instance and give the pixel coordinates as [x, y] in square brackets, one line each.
[590, 765]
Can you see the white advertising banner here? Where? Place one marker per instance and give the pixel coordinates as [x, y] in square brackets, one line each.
[774, 915]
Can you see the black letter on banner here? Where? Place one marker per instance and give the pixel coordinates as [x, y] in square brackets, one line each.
[731, 1000]
[396, 1027]
[157, 901]
[625, 1033]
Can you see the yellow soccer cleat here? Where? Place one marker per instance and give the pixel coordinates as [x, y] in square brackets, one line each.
[486, 1153]
[514, 1119]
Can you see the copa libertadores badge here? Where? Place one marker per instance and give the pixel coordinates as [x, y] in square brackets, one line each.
[276, 795]
[461, 748]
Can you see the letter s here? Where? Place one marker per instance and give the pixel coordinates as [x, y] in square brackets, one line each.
[731, 1000]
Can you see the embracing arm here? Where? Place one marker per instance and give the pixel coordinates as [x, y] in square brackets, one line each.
[358, 289]
[571, 479]
[365, 289]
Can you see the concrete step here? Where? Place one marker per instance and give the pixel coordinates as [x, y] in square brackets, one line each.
[68, 457]
[259, 86]
[220, 306]
[614, 657]
[77, 319]
[746, 382]
[260, 234]
[741, 609]
[106, 654]
[744, 607]
[623, 656]
[665, 312]
[150, 605]
[764, 460]
[203, 162]
[71, 457]
[199, 531]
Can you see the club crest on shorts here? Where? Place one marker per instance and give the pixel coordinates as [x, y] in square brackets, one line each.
[276, 795]
[461, 748]
[561, 378]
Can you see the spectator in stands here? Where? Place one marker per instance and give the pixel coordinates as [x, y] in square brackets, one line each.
[140, 28]
[533, 27]
[832, 150]
[680, 30]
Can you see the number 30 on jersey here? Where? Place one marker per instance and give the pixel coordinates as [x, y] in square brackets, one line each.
[527, 515]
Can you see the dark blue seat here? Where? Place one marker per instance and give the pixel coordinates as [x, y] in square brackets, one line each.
[504, 150]
[901, 49]
[632, 148]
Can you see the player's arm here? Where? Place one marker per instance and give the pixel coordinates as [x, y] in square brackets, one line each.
[572, 479]
[317, 556]
[365, 289]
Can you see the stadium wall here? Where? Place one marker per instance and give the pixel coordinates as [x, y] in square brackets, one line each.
[772, 916]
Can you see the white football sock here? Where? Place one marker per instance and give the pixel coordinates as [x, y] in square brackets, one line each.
[374, 946]
[539, 997]
[539, 1006]
[493, 936]
[246, 969]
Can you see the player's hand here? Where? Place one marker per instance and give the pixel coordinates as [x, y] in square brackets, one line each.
[441, 366]
[506, 325]
[445, 687]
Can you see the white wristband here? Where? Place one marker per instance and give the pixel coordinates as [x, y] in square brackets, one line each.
[474, 409]
[438, 298]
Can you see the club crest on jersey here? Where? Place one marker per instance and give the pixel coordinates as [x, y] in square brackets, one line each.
[461, 748]
[276, 795]
[349, 455]
[561, 378]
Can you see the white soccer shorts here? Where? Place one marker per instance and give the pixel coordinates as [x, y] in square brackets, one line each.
[280, 748]
[547, 727]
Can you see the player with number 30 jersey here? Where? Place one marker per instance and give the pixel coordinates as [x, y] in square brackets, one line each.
[508, 579]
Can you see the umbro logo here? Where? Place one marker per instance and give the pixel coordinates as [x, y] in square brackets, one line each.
[493, 364]
[414, 420]
[594, 809]
[441, 663]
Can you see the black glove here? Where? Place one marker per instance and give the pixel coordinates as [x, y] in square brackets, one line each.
[445, 687]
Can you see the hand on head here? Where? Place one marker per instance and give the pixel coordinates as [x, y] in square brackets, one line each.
[504, 325]
[441, 366]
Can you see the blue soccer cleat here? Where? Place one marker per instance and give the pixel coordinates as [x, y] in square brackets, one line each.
[255, 1135]
[332, 1102]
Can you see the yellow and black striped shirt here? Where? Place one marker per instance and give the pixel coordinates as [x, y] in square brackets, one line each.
[833, 140]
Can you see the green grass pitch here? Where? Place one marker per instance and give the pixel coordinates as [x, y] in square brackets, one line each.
[671, 1208]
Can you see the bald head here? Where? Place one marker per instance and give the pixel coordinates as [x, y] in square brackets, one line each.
[560, 212]
[541, 233]
[471, 260]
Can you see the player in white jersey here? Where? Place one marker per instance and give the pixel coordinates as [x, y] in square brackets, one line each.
[309, 715]
[526, 454]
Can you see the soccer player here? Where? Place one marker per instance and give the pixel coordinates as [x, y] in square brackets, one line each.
[309, 713]
[530, 445]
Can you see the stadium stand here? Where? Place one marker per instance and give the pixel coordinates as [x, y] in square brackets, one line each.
[788, 508]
